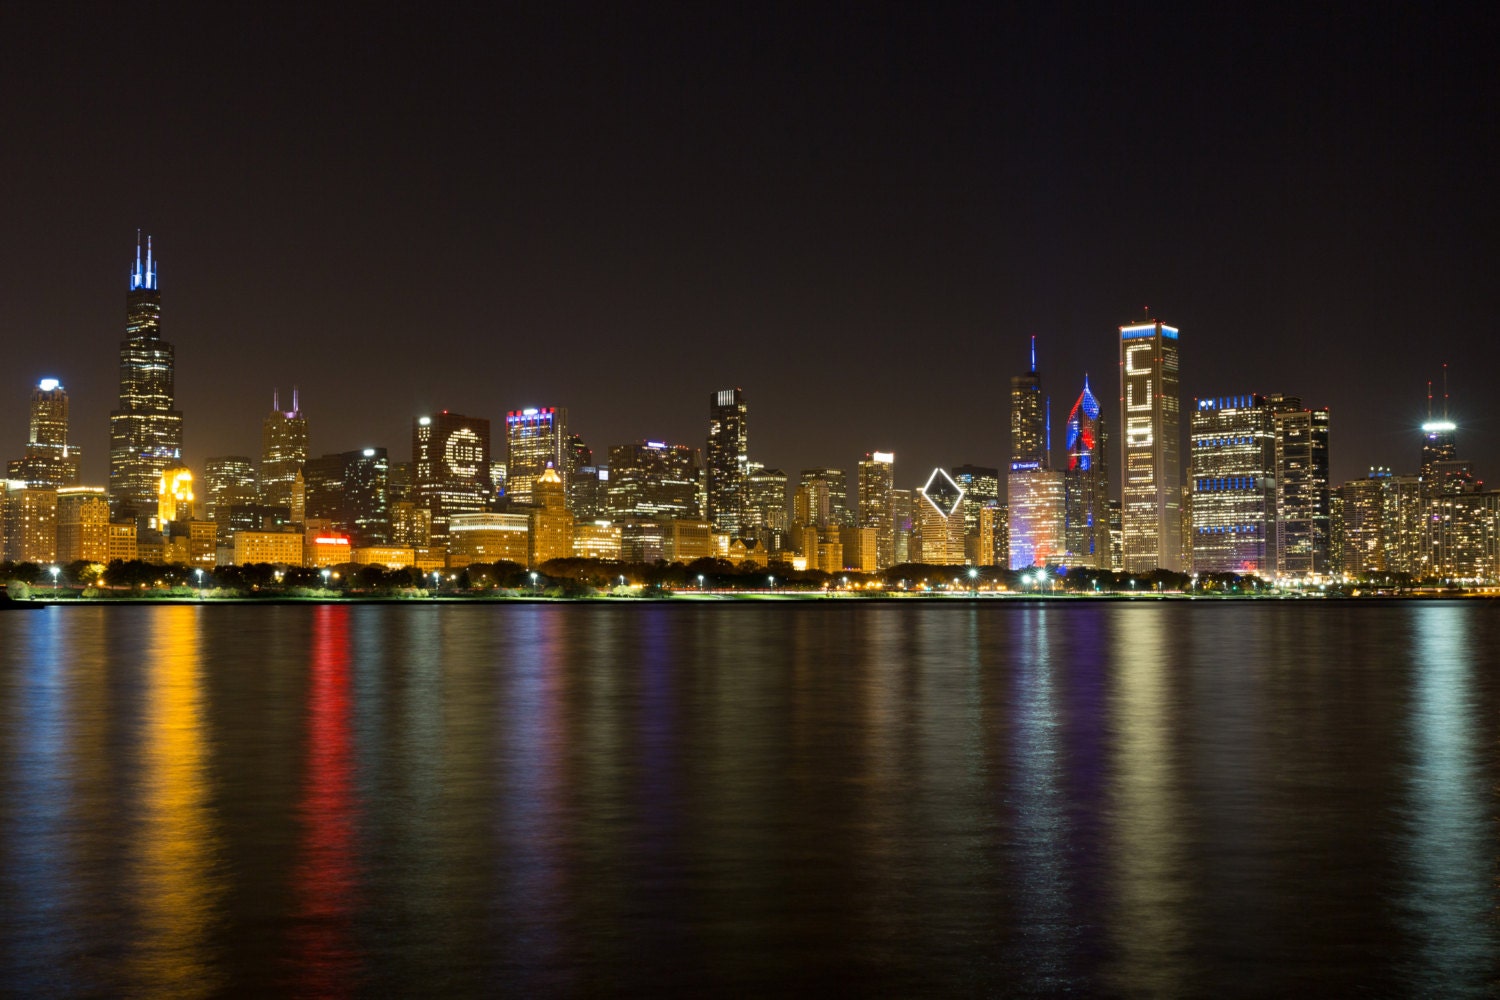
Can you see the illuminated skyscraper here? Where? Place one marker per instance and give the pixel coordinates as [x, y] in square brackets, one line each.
[450, 468]
[877, 479]
[1151, 473]
[283, 451]
[1370, 525]
[981, 485]
[145, 432]
[1302, 492]
[831, 487]
[535, 438]
[1233, 449]
[1086, 485]
[941, 518]
[352, 490]
[727, 460]
[1034, 493]
[653, 479]
[49, 460]
[83, 525]
[766, 508]
[1028, 419]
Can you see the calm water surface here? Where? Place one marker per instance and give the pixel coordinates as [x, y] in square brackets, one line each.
[897, 799]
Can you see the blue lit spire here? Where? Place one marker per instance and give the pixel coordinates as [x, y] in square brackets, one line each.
[1033, 354]
[143, 276]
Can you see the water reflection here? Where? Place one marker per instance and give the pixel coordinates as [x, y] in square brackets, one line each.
[176, 884]
[40, 865]
[1450, 899]
[326, 881]
[1148, 924]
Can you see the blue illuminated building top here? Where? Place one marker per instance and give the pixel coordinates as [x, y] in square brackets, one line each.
[143, 276]
[1147, 330]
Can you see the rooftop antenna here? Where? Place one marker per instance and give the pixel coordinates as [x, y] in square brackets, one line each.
[1445, 390]
[1429, 399]
[1033, 354]
[295, 407]
[275, 400]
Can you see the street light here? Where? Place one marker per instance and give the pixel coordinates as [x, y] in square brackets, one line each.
[326, 572]
[55, 571]
[700, 583]
[199, 572]
[533, 583]
[773, 583]
[437, 582]
[973, 578]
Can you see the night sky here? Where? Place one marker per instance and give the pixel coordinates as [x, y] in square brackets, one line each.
[858, 216]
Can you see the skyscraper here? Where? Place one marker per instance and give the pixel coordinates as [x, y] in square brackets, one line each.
[450, 467]
[352, 490]
[1034, 493]
[981, 485]
[145, 432]
[228, 482]
[1086, 484]
[49, 460]
[727, 460]
[536, 437]
[283, 451]
[653, 479]
[877, 478]
[941, 516]
[831, 487]
[766, 508]
[1303, 500]
[1151, 472]
[1028, 418]
[1233, 461]
[1370, 526]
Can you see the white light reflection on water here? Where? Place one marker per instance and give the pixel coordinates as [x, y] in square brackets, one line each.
[1449, 893]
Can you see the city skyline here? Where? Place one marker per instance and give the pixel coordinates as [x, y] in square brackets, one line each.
[618, 215]
[1034, 414]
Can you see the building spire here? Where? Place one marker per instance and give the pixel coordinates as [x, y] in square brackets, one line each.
[1445, 390]
[275, 400]
[1033, 354]
[295, 407]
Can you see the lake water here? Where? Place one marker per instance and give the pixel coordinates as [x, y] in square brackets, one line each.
[898, 798]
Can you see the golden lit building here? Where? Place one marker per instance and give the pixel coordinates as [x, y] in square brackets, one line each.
[596, 540]
[389, 556]
[122, 542]
[684, 540]
[861, 549]
[279, 548]
[82, 524]
[174, 497]
[942, 522]
[830, 557]
[551, 524]
[30, 523]
[326, 549]
[202, 544]
[489, 538]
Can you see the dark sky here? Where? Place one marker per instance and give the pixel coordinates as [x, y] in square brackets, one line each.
[859, 216]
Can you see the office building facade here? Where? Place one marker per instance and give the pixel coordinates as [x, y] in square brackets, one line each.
[49, 461]
[535, 437]
[1151, 463]
[145, 431]
[1233, 481]
[727, 461]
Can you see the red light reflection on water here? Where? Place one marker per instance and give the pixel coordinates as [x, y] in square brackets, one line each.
[326, 879]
